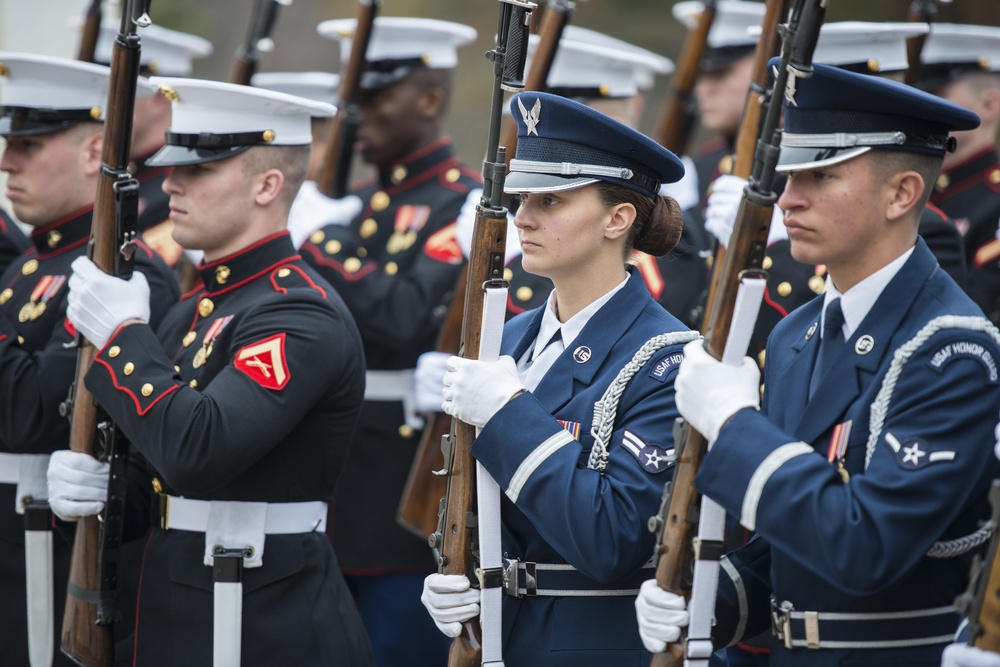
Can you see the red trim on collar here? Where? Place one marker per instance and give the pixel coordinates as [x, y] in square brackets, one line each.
[272, 267]
[243, 251]
[38, 231]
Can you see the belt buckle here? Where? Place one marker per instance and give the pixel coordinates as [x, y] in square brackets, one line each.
[512, 578]
[781, 621]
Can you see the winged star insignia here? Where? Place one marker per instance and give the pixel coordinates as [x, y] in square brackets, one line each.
[532, 117]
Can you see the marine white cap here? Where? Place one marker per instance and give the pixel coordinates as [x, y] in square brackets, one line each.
[587, 58]
[317, 86]
[729, 38]
[211, 120]
[865, 46]
[953, 49]
[162, 51]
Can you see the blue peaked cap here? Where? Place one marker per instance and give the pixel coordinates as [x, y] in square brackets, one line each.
[563, 144]
[837, 115]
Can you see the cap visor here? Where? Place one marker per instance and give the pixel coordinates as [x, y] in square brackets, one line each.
[178, 156]
[10, 127]
[796, 159]
[522, 182]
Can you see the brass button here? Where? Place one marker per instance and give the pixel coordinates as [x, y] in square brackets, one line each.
[268, 136]
[147, 389]
[817, 284]
[222, 274]
[317, 237]
[205, 307]
[726, 164]
[284, 273]
[157, 487]
[352, 264]
[129, 368]
[524, 293]
[332, 247]
[29, 267]
[942, 182]
[874, 65]
[766, 264]
[5, 296]
[379, 201]
[368, 228]
[114, 351]
[508, 274]
[20, 339]
[189, 338]
[452, 175]
[53, 238]
[405, 431]
[177, 369]
[995, 176]
[362, 252]
[784, 289]
[193, 384]
[391, 268]
[398, 174]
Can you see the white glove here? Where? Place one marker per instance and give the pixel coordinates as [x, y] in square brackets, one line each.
[724, 203]
[709, 392]
[78, 484]
[428, 381]
[312, 210]
[961, 655]
[99, 303]
[661, 616]
[474, 391]
[450, 601]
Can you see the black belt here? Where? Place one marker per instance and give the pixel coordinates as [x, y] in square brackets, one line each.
[529, 579]
[862, 630]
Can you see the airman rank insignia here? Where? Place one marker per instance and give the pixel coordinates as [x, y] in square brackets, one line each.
[914, 453]
[651, 457]
[664, 365]
[264, 362]
[443, 246]
[965, 349]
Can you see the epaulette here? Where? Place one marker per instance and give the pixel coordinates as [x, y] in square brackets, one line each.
[289, 277]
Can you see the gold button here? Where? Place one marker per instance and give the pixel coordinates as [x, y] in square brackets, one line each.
[177, 369]
[368, 228]
[391, 268]
[205, 307]
[784, 289]
[766, 264]
[147, 389]
[761, 357]
[452, 175]
[405, 431]
[317, 237]
[352, 264]
[332, 247]
[398, 174]
[129, 368]
[114, 351]
[379, 201]
[524, 293]
[942, 183]
[189, 338]
[284, 273]
[508, 274]
[5, 296]
[193, 384]
[817, 284]
[20, 339]
[874, 65]
[53, 239]
[29, 267]
[726, 165]
[995, 176]
[362, 252]
[268, 136]
[157, 487]
[222, 274]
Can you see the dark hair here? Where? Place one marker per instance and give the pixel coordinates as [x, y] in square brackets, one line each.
[658, 222]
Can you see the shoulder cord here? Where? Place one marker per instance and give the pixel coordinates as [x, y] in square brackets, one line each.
[880, 408]
[606, 409]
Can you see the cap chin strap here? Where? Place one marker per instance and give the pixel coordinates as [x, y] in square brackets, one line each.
[572, 169]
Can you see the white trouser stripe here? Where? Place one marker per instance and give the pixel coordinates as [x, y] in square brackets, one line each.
[762, 474]
[535, 459]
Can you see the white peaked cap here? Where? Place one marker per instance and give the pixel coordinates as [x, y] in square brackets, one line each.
[644, 69]
[950, 43]
[316, 86]
[733, 19]
[163, 51]
[400, 38]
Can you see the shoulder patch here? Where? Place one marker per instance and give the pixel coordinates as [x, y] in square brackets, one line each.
[653, 458]
[443, 246]
[965, 349]
[914, 453]
[665, 365]
[264, 362]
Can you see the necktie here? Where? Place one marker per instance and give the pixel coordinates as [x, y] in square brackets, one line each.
[832, 341]
[543, 360]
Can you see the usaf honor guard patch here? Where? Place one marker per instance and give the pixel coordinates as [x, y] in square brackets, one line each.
[915, 454]
[651, 457]
[663, 366]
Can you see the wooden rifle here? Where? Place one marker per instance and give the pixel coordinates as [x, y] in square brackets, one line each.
[91, 31]
[456, 538]
[91, 600]
[258, 40]
[334, 177]
[677, 520]
[676, 121]
[421, 499]
[921, 11]
[980, 604]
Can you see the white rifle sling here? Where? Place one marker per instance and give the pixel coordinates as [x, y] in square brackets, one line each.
[227, 635]
[38, 579]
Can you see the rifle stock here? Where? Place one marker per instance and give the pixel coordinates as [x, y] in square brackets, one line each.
[456, 538]
[920, 11]
[981, 601]
[87, 636]
[91, 31]
[676, 121]
[258, 39]
[678, 519]
[334, 176]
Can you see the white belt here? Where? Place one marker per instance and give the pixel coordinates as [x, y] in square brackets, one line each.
[394, 386]
[28, 472]
[10, 468]
[280, 518]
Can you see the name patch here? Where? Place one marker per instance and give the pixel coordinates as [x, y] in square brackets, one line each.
[661, 369]
[965, 349]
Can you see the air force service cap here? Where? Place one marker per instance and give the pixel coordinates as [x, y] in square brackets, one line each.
[43, 94]
[563, 144]
[162, 51]
[953, 50]
[837, 115]
[212, 121]
[729, 38]
[400, 45]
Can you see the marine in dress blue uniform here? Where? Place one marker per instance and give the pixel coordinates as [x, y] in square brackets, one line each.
[866, 483]
[242, 405]
[12, 241]
[44, 97]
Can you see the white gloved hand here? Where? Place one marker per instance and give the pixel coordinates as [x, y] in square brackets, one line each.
[474, 390]
[723, 205]
[99, 303]
[428, 381]
[661, 616]
[709, 392]
[962, 655]
[78, 484]
[450, 601]
[996, 448]
[312, 210]
[684, 191]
